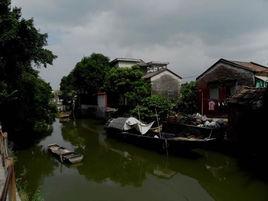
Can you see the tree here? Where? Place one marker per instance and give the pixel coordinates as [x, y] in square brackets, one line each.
[87, 78]
[187, 102]
[24, 97]
[67, 89]
[125, 86]
[152, 106]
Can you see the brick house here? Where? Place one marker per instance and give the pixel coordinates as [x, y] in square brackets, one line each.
[223, 79]
[163, 81]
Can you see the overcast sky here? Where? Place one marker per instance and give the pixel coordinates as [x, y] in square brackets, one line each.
[191, 35]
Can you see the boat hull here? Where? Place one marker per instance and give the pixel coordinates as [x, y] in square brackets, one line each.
[64, 155]
[162, 144]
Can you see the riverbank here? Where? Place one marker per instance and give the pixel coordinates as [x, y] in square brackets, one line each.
[3, 177]
[8, 190]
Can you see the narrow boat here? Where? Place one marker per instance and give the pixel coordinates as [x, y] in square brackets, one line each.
[65, 155]
[135, 132]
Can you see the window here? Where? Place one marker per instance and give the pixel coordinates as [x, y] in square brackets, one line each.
[261, 84]
[214, 93]
[230, 90]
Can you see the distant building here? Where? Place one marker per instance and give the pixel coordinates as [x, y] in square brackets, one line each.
[223, 79]
[153, 66]
[164, 82]
[125, 62]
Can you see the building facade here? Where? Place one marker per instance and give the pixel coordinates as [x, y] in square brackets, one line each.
[223, 79]
[125, 62]
[163, 81]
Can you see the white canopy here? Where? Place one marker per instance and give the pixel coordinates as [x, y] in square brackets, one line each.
[126, 124]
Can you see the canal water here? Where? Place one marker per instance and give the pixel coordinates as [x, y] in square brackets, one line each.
[114, 171]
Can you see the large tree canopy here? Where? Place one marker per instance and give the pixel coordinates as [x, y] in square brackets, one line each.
[24, 97]
[89, 73]
[87, 78]
[125, 86]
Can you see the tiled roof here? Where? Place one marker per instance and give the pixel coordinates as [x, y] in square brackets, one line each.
[127, 59]
[152, 74]
[251, 66]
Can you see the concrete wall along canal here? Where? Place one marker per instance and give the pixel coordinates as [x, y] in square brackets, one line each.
[7, 174]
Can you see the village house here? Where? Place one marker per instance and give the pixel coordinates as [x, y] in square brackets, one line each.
[223, 79]
[125, 62]
[163, 81]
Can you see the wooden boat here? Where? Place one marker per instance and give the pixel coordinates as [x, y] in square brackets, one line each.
[65, 155]
[217, 133]
[64, 116]
[163, 141]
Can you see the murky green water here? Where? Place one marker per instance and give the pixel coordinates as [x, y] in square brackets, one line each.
[114, 171]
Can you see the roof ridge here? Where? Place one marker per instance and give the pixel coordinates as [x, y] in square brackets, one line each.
[258, 64]
[249, 62]
[160, 71]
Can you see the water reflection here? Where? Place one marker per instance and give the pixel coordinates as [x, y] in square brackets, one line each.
[112, 170]
[32, 167]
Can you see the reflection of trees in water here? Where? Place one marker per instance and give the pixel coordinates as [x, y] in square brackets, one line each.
[32, 166]
[103, 161]
[81, 133]
[107, 159]
[26, 142]
[110, 162]
[109, 165]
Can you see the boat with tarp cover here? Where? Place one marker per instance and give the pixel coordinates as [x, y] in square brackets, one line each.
[133, 131]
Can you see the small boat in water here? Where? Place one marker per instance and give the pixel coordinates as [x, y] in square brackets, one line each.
[64, 116]
[65, 155]
[135, 132]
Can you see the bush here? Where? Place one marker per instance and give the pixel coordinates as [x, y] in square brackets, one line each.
[151, 106]
[187, 102]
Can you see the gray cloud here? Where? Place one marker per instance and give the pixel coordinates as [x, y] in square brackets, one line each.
[190, 34]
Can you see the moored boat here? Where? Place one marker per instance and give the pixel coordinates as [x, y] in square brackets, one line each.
[126, 130]
[65, 155]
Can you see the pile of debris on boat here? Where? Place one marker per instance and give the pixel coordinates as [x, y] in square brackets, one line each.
[202, 121]
[133, 131]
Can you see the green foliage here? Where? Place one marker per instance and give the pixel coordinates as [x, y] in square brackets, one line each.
[24, 97]
[151, 106]
[89, 73]
[35, 102]
[67, 89]
[125, 87]
[187, 102]
[87, 78]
